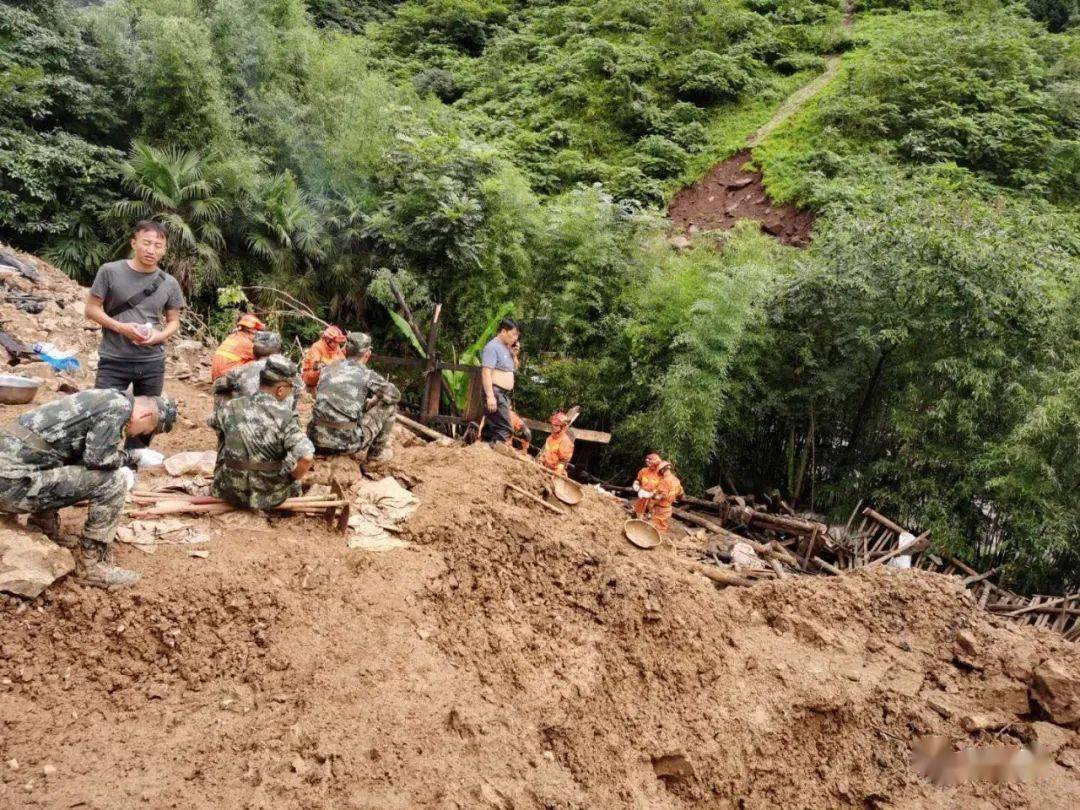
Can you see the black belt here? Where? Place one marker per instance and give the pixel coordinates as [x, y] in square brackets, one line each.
[252, 466]
[330, 423]
[28, 437]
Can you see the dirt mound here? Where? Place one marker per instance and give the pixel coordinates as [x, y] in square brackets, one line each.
[728, 194]
[508, 658]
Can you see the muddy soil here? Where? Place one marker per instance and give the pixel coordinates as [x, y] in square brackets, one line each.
[507, 658]
[730, 193]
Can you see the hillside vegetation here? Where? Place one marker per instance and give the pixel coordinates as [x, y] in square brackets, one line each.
[922, 352]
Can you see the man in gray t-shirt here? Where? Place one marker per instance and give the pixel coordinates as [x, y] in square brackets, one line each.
[497, 377]
[125, 297]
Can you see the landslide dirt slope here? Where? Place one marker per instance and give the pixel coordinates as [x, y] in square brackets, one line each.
[506, 658]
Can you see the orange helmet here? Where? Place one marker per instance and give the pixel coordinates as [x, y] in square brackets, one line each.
[653, 459]
[559, 419]
[333, 334]
[664, 466]
[249, 321]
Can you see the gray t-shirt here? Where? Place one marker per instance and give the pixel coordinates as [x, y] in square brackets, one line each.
[115, 283]
[497, 355]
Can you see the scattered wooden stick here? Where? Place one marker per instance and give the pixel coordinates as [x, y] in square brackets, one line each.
[423, 431]
[920, 543]
[535, 499]
[718, 575]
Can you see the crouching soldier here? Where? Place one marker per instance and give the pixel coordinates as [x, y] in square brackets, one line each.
[243, 381]
[354, 407]
[262, 451]
[72, 450]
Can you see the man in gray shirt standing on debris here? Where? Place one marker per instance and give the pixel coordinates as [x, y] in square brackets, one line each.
[138, 305]
[497, 378]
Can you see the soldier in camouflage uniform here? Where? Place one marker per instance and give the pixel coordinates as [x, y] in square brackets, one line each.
[243, 381]
[72, 450]
[262, 451]
[354, 407]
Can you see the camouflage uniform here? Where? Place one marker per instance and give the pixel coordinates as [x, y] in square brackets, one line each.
[67, 451]
[259, 444]
[339, 423]
[243, 381]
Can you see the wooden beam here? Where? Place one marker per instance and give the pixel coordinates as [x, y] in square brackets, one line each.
[580, 434]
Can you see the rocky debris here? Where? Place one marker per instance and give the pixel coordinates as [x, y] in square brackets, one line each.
[1049, 738]
[729, 194]
[10, 260]
[30, 562]
[1056, 688]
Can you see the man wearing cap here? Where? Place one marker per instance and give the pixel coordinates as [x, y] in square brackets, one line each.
[71, 450]
[327, 349]
[648, 478]
[559, 446]
[243, 381]
[668, 490]
[237, 349]
[262, 451]
[354, 406]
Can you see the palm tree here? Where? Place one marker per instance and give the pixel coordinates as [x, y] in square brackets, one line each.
[285, 228]
[174, 186]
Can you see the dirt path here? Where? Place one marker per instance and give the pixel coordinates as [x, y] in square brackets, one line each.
[793, 103]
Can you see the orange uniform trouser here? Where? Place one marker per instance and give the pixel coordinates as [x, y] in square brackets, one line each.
[642, 507]
[661, 514]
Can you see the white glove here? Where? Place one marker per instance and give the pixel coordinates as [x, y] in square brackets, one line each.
[637, 487]
[644, 493]
[129, 477]
[146, 458]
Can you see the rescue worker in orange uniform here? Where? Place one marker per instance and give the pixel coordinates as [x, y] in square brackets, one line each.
[328, 348]
[645, 484]
[236, 349]
[559, 447]
[668, 490]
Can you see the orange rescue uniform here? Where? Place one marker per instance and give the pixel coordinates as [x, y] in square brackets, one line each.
[668, 491]
[557, 452]
[648, 480]
[319, 353]
[235, 350]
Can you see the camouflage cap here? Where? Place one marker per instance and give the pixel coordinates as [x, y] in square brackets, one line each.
[277, 369]
[167, 413]
[357, 343]
[264, 344]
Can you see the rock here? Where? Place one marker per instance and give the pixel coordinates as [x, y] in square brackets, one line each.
[10, 277]
[773, 226]
[941, 706]
[1049, 738]
[30, 562]
[966, 650]
[741, 182]
[49, 770]
[680, 242]
[972, 723]
[672, 767]
[40, 370]
[1056, 688]
[1006, 695]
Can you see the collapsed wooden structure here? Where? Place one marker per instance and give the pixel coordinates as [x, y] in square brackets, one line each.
[791, 545]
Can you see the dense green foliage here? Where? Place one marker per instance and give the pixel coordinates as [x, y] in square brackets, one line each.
[498, 153]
